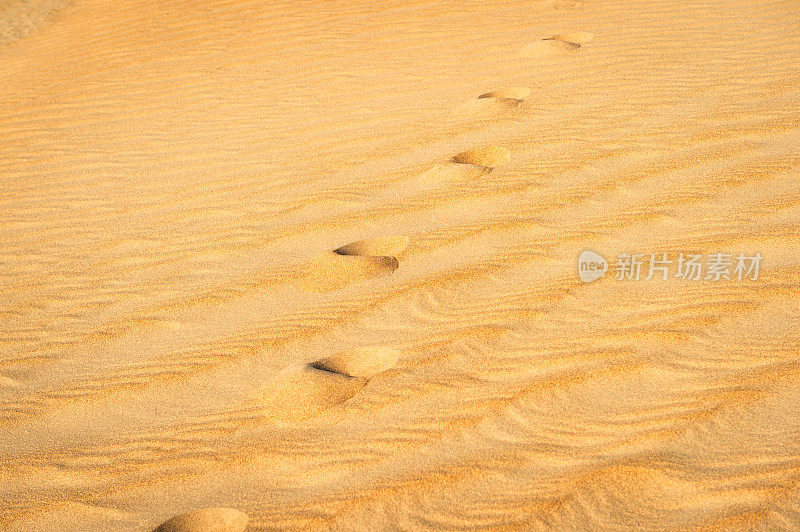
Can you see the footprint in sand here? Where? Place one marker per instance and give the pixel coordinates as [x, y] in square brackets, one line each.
[359, 261]
[301, 392]
[468, 164]
[206, 520]
[495, 102]
[514, 95]
[557, 44]
[575, 37]
[484, 157]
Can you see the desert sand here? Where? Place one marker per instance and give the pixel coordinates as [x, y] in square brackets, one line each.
[312, 265]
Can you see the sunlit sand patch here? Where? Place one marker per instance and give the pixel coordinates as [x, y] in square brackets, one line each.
[301, 392]
[358, 261]
[575, 37]
[548, 47]
[206, 520]
[485, 157]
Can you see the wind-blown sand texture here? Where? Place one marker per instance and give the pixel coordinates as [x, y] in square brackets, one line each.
[178, 331]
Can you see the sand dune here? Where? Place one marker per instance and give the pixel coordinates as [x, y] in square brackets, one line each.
[255, 273]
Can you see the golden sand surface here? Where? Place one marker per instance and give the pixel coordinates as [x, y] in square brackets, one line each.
[312, 265]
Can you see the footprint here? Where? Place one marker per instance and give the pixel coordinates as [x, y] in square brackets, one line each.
[358, 261]
[386, 246]
[548, 47]
[306, 391]
[465, 165]
[485, 157]
[363, 362]
[574, 37]
[205, 520]
[557, 44]
[495, 102]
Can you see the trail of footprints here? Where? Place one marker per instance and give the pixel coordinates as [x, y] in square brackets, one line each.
[304, 391]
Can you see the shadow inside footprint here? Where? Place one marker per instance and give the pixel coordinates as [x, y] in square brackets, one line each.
[217, 519]
[364, 362]
[301, 392]
[358, 261]
[513, 94]
[375, 247]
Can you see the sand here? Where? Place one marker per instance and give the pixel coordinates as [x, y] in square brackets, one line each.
[183, 326]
